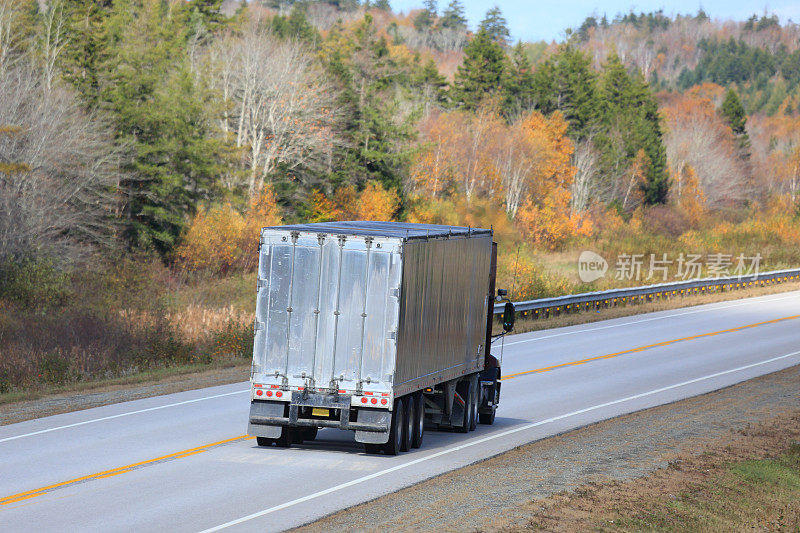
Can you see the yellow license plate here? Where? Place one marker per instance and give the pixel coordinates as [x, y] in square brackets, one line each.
[319, 411]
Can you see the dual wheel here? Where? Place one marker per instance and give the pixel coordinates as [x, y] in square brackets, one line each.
[408, 426]
[470, 397]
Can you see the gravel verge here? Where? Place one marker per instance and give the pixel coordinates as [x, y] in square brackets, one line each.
[507, 491]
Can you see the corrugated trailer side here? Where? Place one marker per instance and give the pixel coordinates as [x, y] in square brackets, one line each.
[443, 303]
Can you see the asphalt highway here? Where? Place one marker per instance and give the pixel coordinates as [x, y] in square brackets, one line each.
[182, 462]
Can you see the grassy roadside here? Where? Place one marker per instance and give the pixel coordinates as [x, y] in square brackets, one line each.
[750, 482]
[761, 494]
[24, 405]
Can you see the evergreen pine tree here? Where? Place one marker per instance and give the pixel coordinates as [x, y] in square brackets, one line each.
[427, 17]
[481, 74]
[733, 112]
[519, 89]
[494, 24]
[383, 5]
[735, 116]
[162, 113]
[87, 49]
[631, 115]
[453, 17]
[566, 82]
[370, 79]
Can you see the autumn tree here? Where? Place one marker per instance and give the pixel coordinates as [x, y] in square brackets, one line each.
[698, 138]
[278, 106]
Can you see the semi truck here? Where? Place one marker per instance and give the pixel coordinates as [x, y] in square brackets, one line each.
[380, 328]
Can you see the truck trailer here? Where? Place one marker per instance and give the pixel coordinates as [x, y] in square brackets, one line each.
[381, 328]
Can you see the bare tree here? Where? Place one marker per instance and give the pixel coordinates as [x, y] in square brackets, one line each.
[52, 38]
[585, 186]
[10, 14]
[697, 137]
[279, 107]
[58, 169]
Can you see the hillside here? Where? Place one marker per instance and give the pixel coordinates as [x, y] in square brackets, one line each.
[143, 143]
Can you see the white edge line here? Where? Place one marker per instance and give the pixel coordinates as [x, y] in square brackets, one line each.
[747, 301]
[481, 441]
[121, 415]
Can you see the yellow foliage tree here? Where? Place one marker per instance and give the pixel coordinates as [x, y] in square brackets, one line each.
[220, 239]
[373, 203]
[377, 203]
[692, 200]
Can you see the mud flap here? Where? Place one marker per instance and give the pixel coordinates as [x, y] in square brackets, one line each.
[266, 409]
[372, 416]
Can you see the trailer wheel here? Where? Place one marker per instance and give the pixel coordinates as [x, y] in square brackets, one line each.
[467, 420]
[395, 443]
[373, 448]
[419, 421]
[473, 409]
[285, 440]
[309, 434]
[409, 421]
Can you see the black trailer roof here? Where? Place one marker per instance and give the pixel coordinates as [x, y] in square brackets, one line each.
[400, 230]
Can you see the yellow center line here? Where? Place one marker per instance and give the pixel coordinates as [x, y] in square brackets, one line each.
[647, 347]
[114, 471]
[193, 451]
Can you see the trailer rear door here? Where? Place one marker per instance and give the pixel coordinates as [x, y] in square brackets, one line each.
[327, 309]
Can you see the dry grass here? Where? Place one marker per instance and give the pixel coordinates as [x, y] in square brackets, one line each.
[196, 323]
[750, 483]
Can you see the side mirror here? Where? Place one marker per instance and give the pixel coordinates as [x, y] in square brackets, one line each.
[508, 317]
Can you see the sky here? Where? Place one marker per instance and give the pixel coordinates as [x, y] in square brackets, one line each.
[535, 20]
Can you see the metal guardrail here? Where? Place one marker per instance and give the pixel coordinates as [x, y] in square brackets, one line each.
[573, 303]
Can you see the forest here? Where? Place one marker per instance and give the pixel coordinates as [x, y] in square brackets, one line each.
[143, 143]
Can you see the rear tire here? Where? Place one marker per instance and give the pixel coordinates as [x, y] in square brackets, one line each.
[309, 434]
[409, 417]
[373, 448]
[419, 422]
[395, 442]
[473, 414]
[285, 440]
[466, 422]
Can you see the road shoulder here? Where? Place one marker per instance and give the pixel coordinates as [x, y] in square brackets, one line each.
[516, 490]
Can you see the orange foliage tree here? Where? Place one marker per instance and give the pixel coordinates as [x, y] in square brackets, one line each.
[525, 167]
[220, 239]
[692, 199]
[373, 203]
